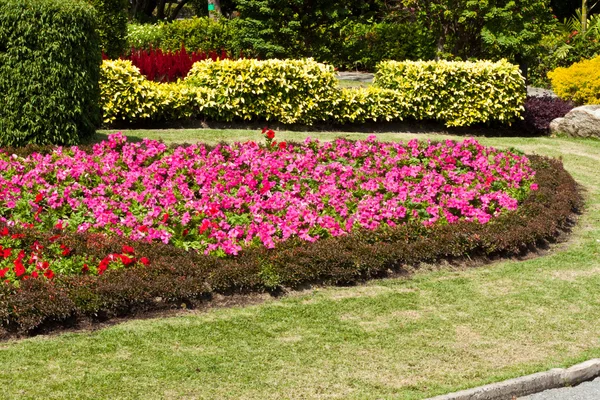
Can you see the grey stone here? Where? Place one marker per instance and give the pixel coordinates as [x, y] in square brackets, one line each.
[581, 121]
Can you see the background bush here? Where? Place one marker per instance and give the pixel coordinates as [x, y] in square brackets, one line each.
[580, 82]
[458, 93]
[112, 25]
[49, 70]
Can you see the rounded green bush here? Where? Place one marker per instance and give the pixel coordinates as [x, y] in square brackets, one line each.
[49, 69]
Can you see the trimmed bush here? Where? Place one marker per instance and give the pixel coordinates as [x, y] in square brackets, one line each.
[128, 96]
[540, 111]
[49, 69]
[368, 104]
[580, 82]
[288, 91]
[112, 25]
[176, 276]
[458, 93]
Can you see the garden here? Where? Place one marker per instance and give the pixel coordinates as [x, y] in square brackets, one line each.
[432, 230]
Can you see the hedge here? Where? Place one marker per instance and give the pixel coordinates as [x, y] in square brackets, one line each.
[458, 93]
[288, 91]
[580, 82]
[49, 69]
[176, 276]
[303, 91]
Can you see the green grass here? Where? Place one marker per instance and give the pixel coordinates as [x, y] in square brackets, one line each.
[439, 331]
[344, 83]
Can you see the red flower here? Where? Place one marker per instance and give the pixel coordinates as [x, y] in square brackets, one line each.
[19, 267]
[282, 145]
[3, 272]
[35, 274]
[205, 225]
[126, 260]
[17, 236]
[143, 228]
[165, 218]
[6, 253]
[53, 238]
[4, 231]
[270, 134]
[59, 225]
[39, 197]
[85, 268]
[49, 274]
[185, 232]
[143, 260]
[128, 250]
[65, 250]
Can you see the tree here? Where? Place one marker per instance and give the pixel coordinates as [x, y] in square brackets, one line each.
[484, 28]
[150, 10]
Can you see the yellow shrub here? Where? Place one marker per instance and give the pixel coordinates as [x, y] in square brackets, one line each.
[580, 82]
[457, 93]
[126, 95]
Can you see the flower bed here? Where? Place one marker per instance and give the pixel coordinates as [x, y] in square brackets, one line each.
[113, 223]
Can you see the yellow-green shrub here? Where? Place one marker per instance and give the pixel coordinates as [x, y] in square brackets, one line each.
[457, 93]
[288, 91]
[580, 82]
[126, 95]
[368, 104]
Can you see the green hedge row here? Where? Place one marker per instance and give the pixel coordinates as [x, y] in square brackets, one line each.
[49, 70]
[176, 276]
[304, 91]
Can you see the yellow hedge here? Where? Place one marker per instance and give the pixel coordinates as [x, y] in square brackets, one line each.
[304, 91]
[457, 93]
[580, 82]
[288, 91]
[126, 95]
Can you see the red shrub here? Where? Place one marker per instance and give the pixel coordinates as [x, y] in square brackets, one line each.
[160, 66]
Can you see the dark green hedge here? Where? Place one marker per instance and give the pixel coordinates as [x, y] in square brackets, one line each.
[49, 71]
[176, 276]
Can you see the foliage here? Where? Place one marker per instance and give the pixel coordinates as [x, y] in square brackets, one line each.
[174, 275]
[196, 34]
[580, 82]
[540, 111]
[459, 93]
[358, 45]
[484, 29]
[288, 91]
[565, 46]
[112, 25]
[49, 68]
[145, 36]
[293, 29]
[127, 96]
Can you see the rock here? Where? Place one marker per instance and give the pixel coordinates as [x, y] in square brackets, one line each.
[581, 121]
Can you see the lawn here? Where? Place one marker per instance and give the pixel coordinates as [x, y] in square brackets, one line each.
[438, 331]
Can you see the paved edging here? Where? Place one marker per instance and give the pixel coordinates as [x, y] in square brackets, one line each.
[530, 384]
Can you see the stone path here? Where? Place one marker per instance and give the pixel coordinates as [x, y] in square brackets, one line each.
[585, 391]
[368, 77]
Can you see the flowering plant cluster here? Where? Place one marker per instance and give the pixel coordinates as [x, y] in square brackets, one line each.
[221, 200]
[22, 259]
[166, 66]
